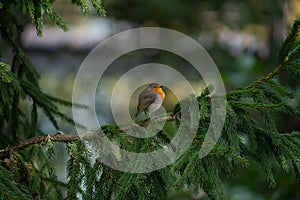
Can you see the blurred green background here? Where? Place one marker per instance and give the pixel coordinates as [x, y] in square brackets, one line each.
[242, 37]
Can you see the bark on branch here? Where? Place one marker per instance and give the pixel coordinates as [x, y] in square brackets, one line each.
[61, 137]
[58, 137]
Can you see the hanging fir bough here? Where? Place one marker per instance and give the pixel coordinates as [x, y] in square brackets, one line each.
[26, 169]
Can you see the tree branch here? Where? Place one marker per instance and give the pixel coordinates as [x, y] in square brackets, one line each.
[154, 119]
[61, 137]
[268, 76]
[58, 137]
[249, 89]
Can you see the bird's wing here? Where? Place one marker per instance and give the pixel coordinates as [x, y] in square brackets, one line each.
[145, 101]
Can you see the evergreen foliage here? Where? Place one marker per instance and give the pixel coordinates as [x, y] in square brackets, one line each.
[29, 173]
[19, 81]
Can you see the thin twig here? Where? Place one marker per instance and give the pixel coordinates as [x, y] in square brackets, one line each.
[268, 76]
[154, 119]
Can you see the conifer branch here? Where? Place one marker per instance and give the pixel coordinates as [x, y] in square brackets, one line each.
[155, 119]
[268, 76]
[61, 137]
[58, 137]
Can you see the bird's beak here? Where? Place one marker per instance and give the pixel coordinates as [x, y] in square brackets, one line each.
[159, 86]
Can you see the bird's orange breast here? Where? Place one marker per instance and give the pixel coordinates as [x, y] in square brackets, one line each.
[160, 92]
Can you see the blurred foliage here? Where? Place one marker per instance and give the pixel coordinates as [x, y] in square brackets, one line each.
[242, 37]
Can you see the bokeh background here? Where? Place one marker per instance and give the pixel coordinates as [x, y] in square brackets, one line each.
[242, 37]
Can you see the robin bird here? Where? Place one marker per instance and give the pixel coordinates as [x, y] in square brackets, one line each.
[150, 98]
